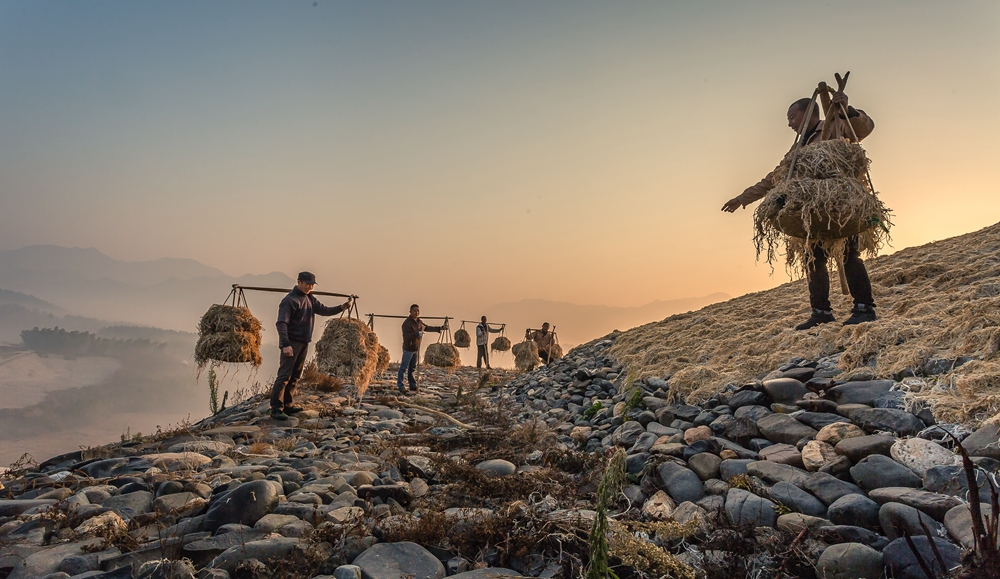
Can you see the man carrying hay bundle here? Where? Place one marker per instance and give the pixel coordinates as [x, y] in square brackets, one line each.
[413, 332]
[483, 331]
[814, 254]
[296, 314]
[543, 339]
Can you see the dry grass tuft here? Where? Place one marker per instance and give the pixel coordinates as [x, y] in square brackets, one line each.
[462, 338]
[228, 334]
[937, 301]
[526, 355]
[501, 344]
[312, 377]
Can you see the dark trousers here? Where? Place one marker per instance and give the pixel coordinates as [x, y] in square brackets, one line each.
[288, 374]
[854, 269]
[544, 355]
[482, 355]
[407, 365]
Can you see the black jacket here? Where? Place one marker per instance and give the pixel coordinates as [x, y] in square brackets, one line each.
[296, 313]
[411, 333]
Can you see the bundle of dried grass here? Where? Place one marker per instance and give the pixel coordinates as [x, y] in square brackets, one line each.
[462, 338]
[228, 334]
[442, 355]
[349, 350]
[383, 359]
[526, 355]
[828, 198]
[555, 352]
[501, 344]
[939, 301]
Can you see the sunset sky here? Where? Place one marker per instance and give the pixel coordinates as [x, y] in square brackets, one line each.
[475, 152]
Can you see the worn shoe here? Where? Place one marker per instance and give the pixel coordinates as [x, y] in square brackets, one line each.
[818, 317]
[289, 410]
[278, 415]
[861, 313]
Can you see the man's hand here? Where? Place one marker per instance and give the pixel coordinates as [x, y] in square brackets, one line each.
[839, 98]
[732, 205]
[346, 305]
[287, 351]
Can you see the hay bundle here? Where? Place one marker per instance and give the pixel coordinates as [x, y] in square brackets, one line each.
[827, 198]
[383, 359]
[350, 350]
[501, 344]
[526, 355]
[442, 355]
[555, 352]
[228, 334]
[462, 338]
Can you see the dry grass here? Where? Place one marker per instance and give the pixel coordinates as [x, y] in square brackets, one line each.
[940, 300]
[228, 334]
[313, 378]
[827, 198]
[442, 355]
[526, 355]
[501, 344]
[462, 338]
[383, 360]
[349, 350]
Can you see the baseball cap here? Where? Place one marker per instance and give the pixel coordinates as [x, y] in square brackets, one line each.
[307, 277]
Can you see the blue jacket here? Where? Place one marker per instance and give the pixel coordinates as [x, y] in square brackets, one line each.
[296, 313]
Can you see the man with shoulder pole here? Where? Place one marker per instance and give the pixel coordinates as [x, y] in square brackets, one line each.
[413, 332]
[296, 314]
[543, 340]
[810, 130]
[483, 331]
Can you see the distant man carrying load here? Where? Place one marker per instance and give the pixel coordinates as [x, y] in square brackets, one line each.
[413, 331]
[483, 331]
[542, 339]
[817, 273]
[296, 314]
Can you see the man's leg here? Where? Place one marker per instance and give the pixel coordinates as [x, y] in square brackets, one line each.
[285, 368]
[410, 368]
[859, 284]
[486, 356]
[819, 290]
[544, 356]
[479, 356]
[403, 363]
[300, 349]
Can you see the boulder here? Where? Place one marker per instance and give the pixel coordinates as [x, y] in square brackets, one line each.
[394, 560]
[705, 465]
[785, 390]
[850, 561]
[984, 442]
[658, 507]
[681, 482]
[958, 522]
[797, 499]
[919, 455]
[934, 504]
[903, 564]
[879, 471]
[859, 447]
[263, 550]
[863, 392]
[246, 504]
[496, 468]
[784, 428]
[816, 454]
[829, 488]
[856, 510]
[747, 509]
[832, 434]
[897, 520]
[899, 422]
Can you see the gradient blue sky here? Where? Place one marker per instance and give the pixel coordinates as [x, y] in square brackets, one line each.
[468, 153]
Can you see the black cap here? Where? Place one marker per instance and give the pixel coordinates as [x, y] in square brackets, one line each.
[305, 276]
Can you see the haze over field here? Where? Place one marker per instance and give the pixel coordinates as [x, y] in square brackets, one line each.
[558, 161]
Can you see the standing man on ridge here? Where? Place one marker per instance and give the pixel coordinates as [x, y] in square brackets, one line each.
[483, 331]
[817, 273]
[413, 332]
[296, 314]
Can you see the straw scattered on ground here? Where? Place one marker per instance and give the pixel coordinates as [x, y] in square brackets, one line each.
[526, 355]
[442, 355]
[939, 301]
[462, 338]
[228, 334]
[501, 344]
[350, 350]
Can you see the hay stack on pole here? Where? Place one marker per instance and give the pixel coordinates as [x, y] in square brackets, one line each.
[229, 333]
[383, 360]
[462, 337]
[502, 342]
[823, 194]
[443, 354]
[526, 355]
[349, 349]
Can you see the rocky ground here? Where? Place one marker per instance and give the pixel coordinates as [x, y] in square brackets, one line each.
[794, 475]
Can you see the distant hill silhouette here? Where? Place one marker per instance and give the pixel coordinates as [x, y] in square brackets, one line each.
[167, 293]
